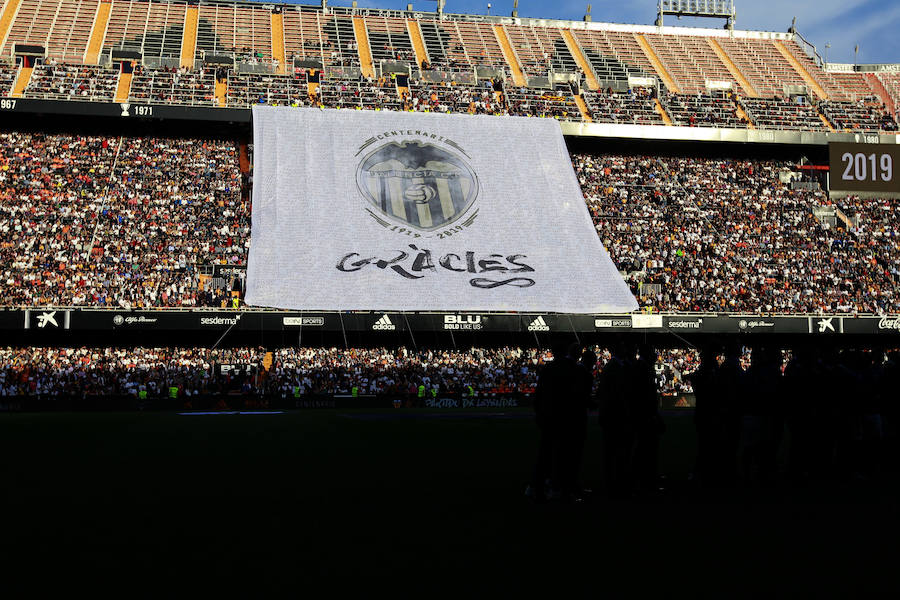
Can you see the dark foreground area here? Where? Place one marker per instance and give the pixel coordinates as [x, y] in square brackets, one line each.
[365, 498]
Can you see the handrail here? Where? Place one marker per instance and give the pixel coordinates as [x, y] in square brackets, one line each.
[810, 50]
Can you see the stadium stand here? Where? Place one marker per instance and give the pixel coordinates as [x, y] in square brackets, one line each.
[615, 49]
[890, 81]
[327, 39]
[106, 221]
[657, 226]
[61, 26]
[381, 95]
[447, 98]
[691, 61]
[601, 57]
[711, 235]
[867, 115]
[703, 110]
[154, 29]
[778, 113]
[762, 64]
[54, 81]
[274, 90]
[293, 372]
[558, 103]
[541, 49]
[174, 86]
[637, 106]
[720, 235]
[389, 39]
[8, 76]
[241, 30]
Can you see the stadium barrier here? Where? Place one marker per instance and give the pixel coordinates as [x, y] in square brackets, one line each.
[381, 323]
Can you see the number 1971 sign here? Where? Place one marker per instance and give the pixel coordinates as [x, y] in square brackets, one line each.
[864, 167]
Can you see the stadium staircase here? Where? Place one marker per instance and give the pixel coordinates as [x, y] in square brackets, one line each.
[418, 42]
[312, 88]
[581, 60]
[518, 76]
[244, 158]
[221, 92]
[662, 112]
[10, 9]
[22, 81]
[98, 33]
[277, 46]
[826, 121]
[748, 88]
[402, 90]
[362, 42]
[123, 88]
[657, 64]
[189, 38]
[801, 71]
[742, 114]
[582, 106]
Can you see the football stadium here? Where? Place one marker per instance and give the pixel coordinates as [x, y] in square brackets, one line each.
[285, 287]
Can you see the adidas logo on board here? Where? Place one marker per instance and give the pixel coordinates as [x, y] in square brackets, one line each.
[539, 325]
[384, 324]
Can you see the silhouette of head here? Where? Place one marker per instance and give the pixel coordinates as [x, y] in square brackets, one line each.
[589, 359]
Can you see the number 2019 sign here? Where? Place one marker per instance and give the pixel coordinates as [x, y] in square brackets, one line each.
[864, 167]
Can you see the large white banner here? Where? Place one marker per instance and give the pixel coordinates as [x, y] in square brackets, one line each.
[363, 210]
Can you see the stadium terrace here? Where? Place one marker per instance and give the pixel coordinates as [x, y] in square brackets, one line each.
[236, 54]
[128, 221]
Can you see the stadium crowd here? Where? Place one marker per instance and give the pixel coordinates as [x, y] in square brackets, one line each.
[293, 371]
[116, 222]
[86, 222]
[718, 235]
[80, 372]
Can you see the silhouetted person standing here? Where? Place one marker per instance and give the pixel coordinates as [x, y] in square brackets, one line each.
[762, 420]
[707, 416]
[729, 387]
[888, 385]
[613, 416]
[646, 423]
[557, 415]
[802, 389]
[585, 401]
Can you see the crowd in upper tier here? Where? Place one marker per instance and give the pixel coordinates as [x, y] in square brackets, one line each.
[136, 222]
[305, 86]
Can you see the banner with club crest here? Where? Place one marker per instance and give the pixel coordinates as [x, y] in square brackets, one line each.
[375, 210]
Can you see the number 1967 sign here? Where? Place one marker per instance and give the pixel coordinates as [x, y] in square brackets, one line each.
[864, 167]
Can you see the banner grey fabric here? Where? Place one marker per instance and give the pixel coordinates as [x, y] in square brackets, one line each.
[374, 210]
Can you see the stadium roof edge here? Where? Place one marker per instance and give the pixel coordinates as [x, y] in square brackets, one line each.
[716, 134]
[498, 19]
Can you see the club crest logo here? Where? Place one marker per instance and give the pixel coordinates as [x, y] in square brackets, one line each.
[422, 185]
